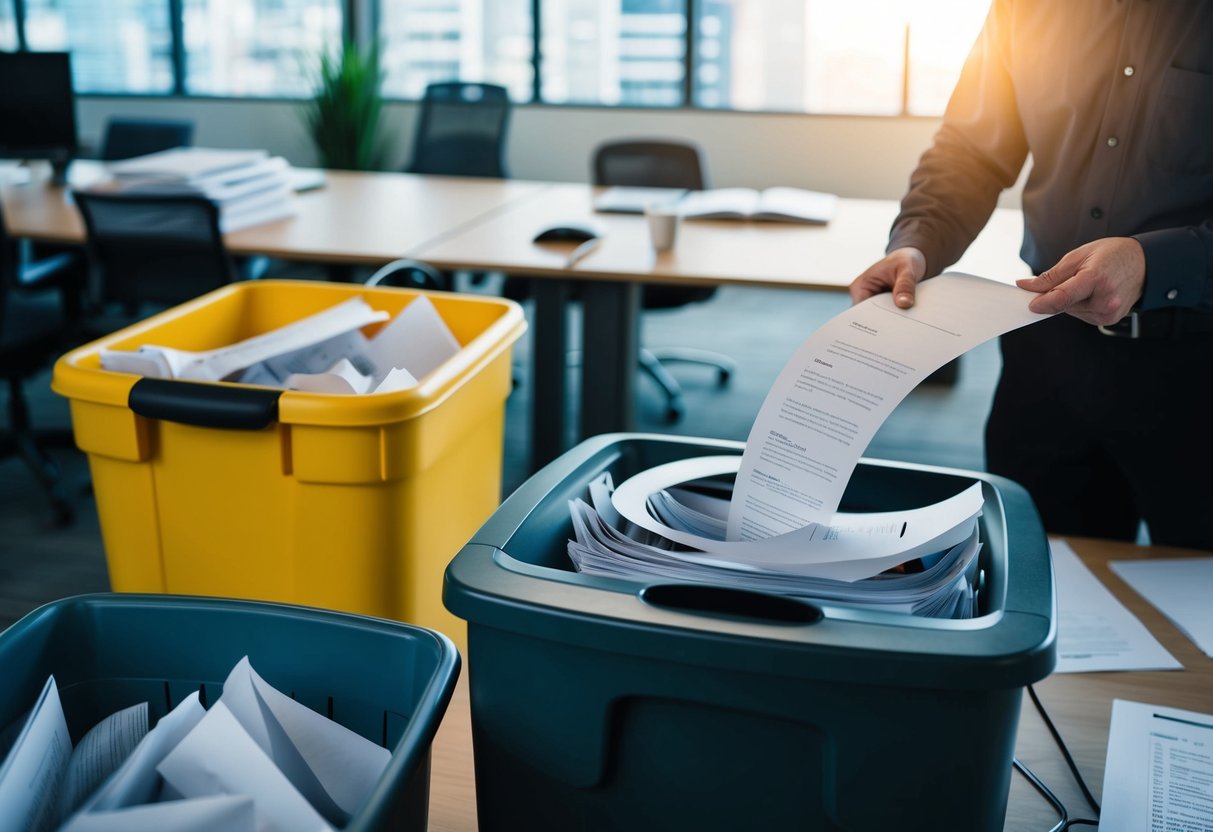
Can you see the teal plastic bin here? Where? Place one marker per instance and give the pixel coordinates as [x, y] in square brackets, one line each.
[607, 704]
[388, 681]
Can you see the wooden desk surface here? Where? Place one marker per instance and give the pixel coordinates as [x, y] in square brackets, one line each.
[716, 251]
[1080, 705]
[356, 218]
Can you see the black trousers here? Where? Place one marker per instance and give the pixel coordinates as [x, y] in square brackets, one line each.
[1104, 431]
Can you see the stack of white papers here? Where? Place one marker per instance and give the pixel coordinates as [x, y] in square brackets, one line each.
[249, 186]
[256, 760]
[322, 353]
[940, 543]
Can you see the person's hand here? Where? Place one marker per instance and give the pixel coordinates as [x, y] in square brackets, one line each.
[899, 272]
[1098, 282]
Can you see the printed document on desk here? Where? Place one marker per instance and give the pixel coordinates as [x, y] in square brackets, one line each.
[1158, 771]
[1179, 588]
[841, 385]
[1094, 630]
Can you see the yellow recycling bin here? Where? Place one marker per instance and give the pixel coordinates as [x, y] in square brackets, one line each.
[349, 502]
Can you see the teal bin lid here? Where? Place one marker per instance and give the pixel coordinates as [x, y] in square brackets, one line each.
[515, 575]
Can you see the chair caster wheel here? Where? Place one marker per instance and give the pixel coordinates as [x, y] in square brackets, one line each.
[674, 412]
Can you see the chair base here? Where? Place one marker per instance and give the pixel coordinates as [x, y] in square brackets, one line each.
[21, 440]
[653, 361]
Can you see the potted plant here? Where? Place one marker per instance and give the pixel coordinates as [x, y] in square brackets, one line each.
[343, 114]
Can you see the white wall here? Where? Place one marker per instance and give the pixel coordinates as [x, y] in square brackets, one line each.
[850, 156]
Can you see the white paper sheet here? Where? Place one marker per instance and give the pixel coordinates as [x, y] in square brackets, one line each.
[417, 339]
[1094, 630]
[1158, 775]
[854, 546]
[218, 757]
[1181, 589]
[100, 753]
[333, 767]
[220, 813]
[33, 770]
[841, 385]
[136, 781]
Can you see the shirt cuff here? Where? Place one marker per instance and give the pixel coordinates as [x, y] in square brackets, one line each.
[1177, 268]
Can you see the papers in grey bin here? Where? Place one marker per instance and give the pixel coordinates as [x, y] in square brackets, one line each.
[945, 589]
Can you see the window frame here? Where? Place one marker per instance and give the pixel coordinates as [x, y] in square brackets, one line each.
[360, 22]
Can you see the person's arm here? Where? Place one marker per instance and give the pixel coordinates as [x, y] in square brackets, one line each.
[976, 154]
[1104, 280]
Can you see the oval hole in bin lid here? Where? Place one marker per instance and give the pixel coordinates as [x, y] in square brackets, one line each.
[733, 603]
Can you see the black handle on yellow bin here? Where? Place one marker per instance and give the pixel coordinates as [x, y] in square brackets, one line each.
[205, 405]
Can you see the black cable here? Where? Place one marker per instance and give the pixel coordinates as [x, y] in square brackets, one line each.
[1079, 822]
[1063, 816]
[1061, 744]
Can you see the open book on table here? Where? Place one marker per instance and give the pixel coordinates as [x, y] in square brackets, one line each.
[780, 204]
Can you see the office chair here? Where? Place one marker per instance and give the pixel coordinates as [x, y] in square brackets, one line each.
[125, 138]
[461, 130]
[152, 250]
[662, 164]
[36, 303]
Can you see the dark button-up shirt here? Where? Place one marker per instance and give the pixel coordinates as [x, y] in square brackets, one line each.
[1113, 100]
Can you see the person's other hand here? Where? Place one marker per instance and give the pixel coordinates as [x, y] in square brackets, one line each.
[899, 272]
[1098, 282]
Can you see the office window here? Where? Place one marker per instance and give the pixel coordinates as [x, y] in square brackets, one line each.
[823, 56]
[122, 46]
[8, 27]
[455, 40]
[617, 52]
[257, 47]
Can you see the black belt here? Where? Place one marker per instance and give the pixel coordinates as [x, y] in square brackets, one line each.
[1172, 323]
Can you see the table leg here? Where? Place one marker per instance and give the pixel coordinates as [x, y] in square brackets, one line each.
[549, 363]
[610, 348]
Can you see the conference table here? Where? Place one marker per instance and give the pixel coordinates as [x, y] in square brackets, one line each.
[1079, 704]
[457, 223]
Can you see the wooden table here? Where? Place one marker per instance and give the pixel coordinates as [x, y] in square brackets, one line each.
[357, 218]
[1080, 705]
[785, 255]
[458, 223]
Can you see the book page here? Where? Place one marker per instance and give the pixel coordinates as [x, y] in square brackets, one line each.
[841, 385]
[719, 202]
[796, 204]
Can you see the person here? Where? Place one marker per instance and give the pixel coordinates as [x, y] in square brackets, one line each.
[1104, 413]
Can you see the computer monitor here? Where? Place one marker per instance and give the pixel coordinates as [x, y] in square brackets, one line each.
[38, 108]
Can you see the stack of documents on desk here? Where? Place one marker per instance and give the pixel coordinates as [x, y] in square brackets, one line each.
[322, 353]
[778, 528]
[255, 760]
[249, 186]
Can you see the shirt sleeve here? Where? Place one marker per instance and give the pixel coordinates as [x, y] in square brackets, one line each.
[976, 154]
[1179, 267]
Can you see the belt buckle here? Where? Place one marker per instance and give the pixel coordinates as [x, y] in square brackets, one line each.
[1127, 327]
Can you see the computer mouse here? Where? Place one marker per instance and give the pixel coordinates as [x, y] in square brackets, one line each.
[568, 232]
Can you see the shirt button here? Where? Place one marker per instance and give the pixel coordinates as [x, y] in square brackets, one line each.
[1113, 141]
[1128, 71]
[1173, 294]
[1096, 213]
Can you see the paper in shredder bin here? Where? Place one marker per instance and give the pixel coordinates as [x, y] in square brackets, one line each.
[388, 681]
[353, 503]
[596, 706]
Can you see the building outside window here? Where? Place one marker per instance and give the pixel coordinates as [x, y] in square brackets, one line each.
[266, 48]
[861, 57]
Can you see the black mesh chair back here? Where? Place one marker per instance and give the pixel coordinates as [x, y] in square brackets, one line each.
[649, 164]
[162, 249]
[34, 329]
[461, 130]
[126, 138]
